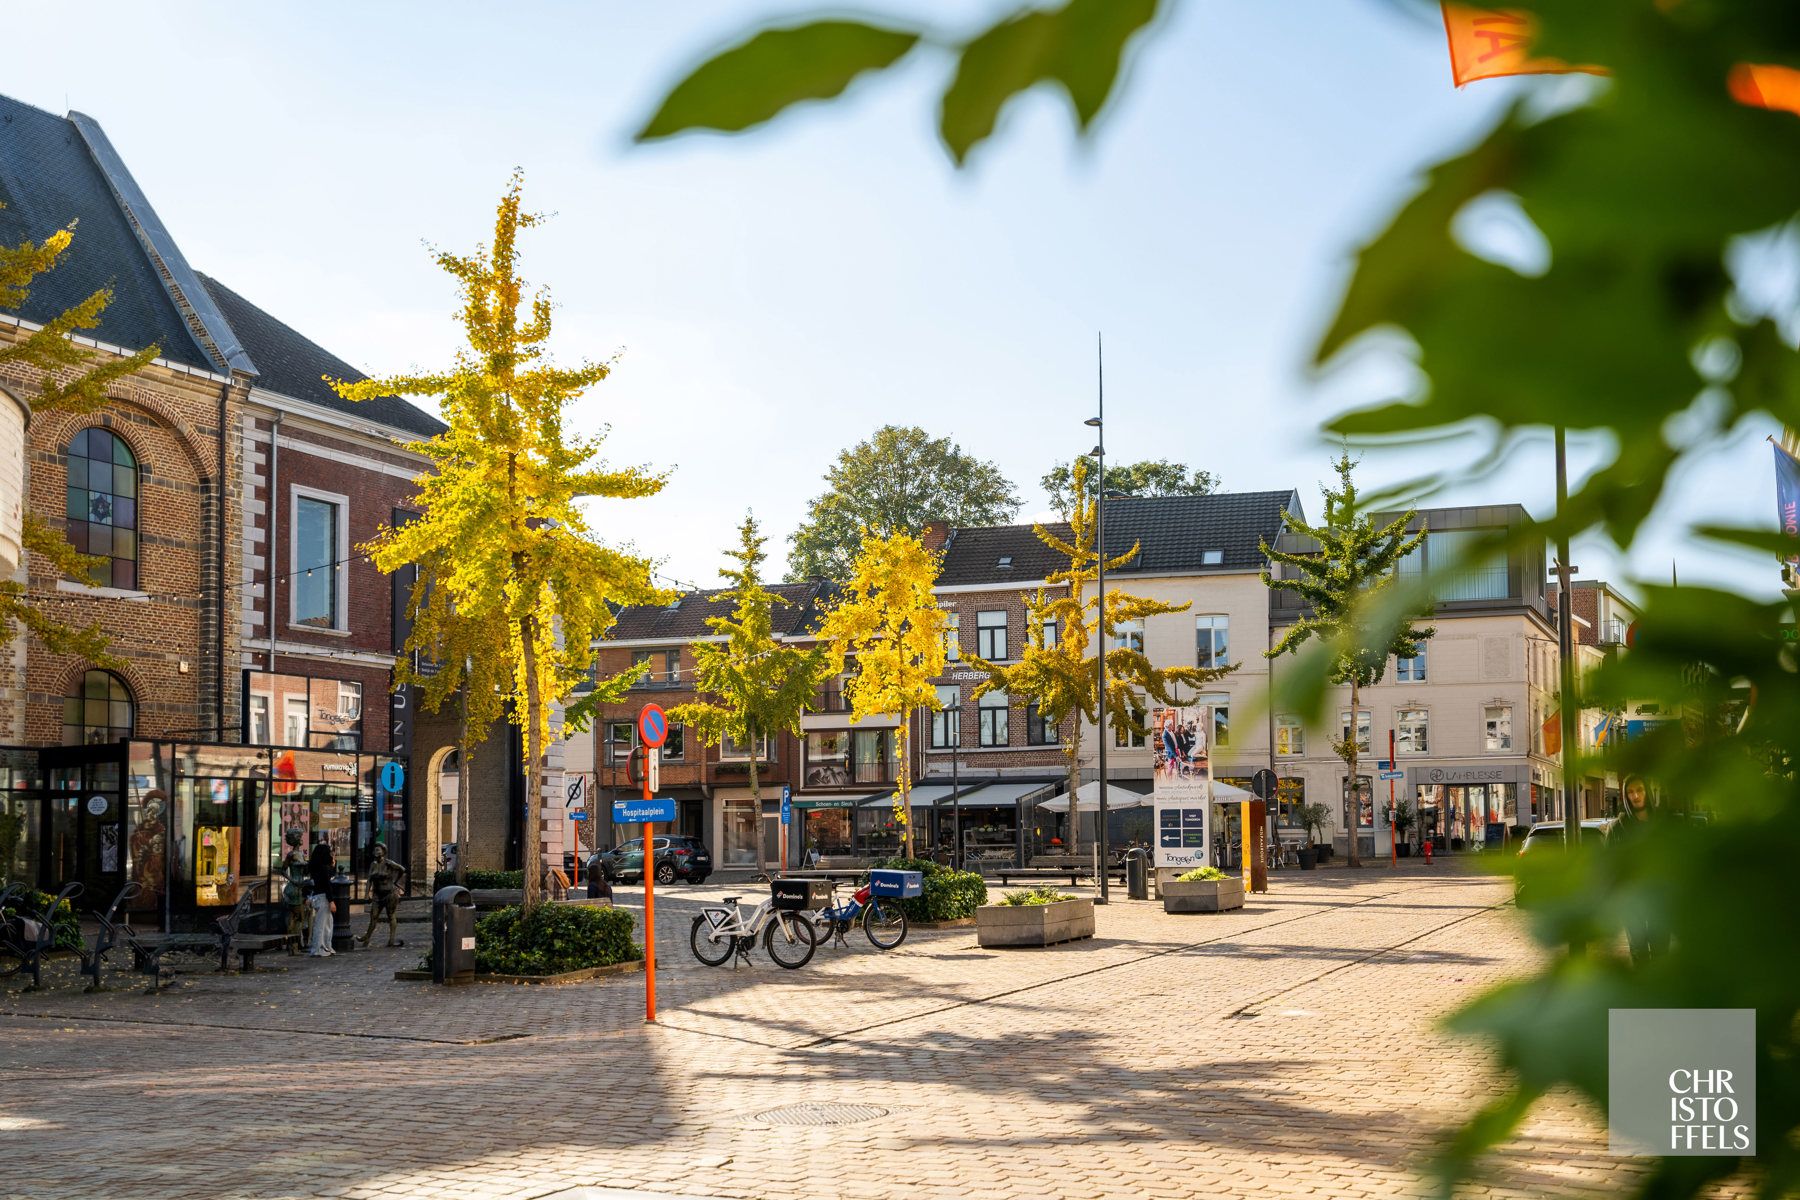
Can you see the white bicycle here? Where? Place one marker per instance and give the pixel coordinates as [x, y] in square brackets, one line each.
[720, 931]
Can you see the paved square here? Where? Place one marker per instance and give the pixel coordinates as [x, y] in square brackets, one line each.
[1287, 1049]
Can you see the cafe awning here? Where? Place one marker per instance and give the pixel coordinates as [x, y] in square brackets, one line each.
[1004, 794]
[926, 795]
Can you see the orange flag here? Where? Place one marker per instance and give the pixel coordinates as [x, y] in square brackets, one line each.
[1487, 43]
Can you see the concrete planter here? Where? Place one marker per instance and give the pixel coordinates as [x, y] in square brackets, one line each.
[1034, 924]
[1203, 895]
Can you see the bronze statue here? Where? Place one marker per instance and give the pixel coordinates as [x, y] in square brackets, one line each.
[384, 895]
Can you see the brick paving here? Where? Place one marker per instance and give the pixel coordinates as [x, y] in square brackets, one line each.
[1287, 1049]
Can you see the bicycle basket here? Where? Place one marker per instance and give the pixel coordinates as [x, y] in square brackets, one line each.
[790, 895]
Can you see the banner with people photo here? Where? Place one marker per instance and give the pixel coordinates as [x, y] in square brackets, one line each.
[1182, 792]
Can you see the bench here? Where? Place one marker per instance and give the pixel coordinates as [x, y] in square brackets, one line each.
[248, 945]
[29, 939]
[1073, 874]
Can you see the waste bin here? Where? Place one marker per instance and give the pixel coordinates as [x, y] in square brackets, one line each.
[452, 935]
[598, 888]
[1137, 874]
[342, 939]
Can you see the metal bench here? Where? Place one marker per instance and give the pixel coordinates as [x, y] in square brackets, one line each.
[116, 933]
[1073, 874]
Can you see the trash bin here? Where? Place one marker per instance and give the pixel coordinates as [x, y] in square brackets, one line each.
[597, 886]
[452, 935]
[1137, 874]
[342, 939]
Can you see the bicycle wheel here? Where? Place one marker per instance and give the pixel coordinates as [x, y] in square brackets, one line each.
[790, 940]
[714, 952]
[885, 924]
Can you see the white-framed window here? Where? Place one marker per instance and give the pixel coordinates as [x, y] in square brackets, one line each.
[946, 721]
[952, 636]
[1290, 735]
[1412, 731]
[621, 740]
[990, 635]
[1496, 723]
[1411, 670]
[1364, 728]
[1129, 635]
[319, 573]
[295, 723]
[1050, 634]
[992, 715]
[259, 720]
[350, 700]
[1220, 703]
[730, 748]
[1212, 640]
[1127, 738]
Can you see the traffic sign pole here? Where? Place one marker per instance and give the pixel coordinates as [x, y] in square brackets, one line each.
[653, 728]
[1393, 834]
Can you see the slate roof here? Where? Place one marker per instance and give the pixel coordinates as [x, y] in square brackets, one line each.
[293, 365]
[48, 178]
[686, 619]
[1173, 534]
[57, 170]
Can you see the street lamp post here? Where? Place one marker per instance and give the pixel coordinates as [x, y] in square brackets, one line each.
[1098, 422]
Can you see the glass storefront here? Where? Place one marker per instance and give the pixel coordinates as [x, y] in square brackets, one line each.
[1461, 814]
[824, 833]
[741, 821]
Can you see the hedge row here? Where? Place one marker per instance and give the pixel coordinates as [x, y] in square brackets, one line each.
[554, 938]
[485, 880]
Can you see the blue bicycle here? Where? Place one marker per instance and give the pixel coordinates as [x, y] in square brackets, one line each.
[882, 919]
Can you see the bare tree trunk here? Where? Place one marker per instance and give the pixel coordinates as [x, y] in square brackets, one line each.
[534, 855]
[1074, 752]
[1354, 816]
[906, 830]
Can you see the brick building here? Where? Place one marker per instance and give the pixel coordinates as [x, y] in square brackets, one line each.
[187, 765]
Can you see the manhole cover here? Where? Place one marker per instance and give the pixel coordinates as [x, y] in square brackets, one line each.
[821, 1114]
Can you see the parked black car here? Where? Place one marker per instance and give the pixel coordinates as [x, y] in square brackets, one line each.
[677, 857]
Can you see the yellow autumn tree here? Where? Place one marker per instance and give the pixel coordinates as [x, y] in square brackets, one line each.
[889, 623]
[508, 569]
[70, 378]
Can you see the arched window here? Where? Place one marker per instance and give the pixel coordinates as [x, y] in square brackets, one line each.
[99, 711]
[103, 505]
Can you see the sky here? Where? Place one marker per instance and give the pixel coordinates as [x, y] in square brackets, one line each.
[774, 298]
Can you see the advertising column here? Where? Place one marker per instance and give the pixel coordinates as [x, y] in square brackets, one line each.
[1183, 786]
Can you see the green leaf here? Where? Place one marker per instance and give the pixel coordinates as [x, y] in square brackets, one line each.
[1078, 46]
[755, 81]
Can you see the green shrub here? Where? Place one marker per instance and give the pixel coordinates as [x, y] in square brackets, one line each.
[949, 895]
[1201, 875]
[555, 938]
[1037, 895]
[67, 923]
[484, 880]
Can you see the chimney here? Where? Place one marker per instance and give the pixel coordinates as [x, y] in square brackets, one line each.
[935, 534]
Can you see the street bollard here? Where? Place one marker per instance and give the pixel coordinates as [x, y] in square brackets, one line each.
[342, 940]
[1137, 874]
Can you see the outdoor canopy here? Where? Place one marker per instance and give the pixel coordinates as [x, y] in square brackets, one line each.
[1088, 799]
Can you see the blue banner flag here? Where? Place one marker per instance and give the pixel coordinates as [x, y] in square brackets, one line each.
[1787, 496]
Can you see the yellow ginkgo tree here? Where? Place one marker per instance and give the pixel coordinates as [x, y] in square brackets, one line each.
[508, 567]
[889, 623]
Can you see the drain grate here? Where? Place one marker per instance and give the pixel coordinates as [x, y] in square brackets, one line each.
[821, 1114]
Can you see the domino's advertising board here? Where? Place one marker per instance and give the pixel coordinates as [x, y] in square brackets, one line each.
[1182, 795]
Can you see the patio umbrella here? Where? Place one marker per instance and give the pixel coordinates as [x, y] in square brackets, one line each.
[1088, 799]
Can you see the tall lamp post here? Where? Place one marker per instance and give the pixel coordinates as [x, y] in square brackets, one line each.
[1098, 422]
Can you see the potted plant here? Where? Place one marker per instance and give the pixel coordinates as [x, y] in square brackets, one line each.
[1204, 889]
[1403, 823]
[1313, 818]
[1039, 917]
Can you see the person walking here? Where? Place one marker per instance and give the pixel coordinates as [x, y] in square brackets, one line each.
[1648, 939]
[319, 869]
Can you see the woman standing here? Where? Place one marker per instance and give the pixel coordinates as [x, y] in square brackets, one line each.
[319, 869]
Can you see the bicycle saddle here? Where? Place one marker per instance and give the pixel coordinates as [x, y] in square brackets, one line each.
[729, 900]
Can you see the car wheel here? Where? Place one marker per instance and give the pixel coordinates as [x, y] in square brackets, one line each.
[665, 873]
[697, 880]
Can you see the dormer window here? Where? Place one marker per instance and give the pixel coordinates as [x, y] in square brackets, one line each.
[1211, 558]
[1005, 563]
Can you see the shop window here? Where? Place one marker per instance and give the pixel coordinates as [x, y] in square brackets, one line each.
[1363, 728]
[946, 721]
[1411, 726]
[102, 509]
[317, 553]
[952, 636]
[1220, 703]
[1212, 641]
[1290, 736]
[990, 636]
[1129, 635]
[1496, 720]
[1039, 729]
[1290, 797]
[98, 711]
[1365, 791]
[1127, 737]
[1410, 670]
[992, 716]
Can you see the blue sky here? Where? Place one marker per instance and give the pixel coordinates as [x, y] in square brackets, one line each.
[777, 297]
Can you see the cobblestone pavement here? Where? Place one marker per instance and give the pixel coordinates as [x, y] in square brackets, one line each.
[1287, 1049]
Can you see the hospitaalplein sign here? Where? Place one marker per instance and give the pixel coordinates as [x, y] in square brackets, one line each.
[633, 812]
[1182, 793]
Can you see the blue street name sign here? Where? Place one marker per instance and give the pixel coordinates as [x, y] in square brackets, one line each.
[393, 777]
[787, 805]
[579, 814]
[635, 812]
[1393, 774]
[1384, 764]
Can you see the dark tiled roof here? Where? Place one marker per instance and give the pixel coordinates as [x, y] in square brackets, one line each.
[48, 178]
[973, 555]
[293, 365]
[687, 619]
[1173, 533]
